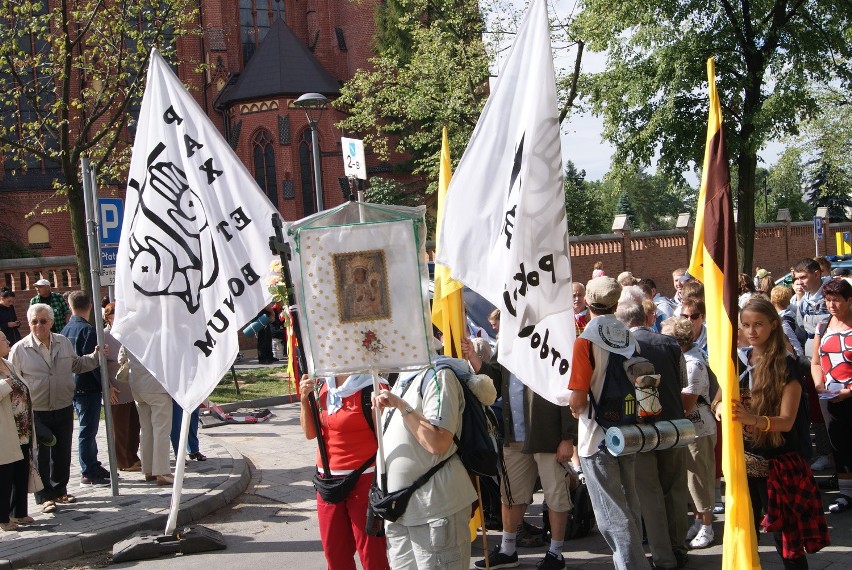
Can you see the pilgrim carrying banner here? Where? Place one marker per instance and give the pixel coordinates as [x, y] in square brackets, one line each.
[504, 232]
[193, 260]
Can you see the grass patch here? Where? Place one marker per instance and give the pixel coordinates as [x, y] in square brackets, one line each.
[254, 384]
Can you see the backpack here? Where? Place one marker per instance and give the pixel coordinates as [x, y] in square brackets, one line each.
[477, 444]
[629, 392]
[581, 517]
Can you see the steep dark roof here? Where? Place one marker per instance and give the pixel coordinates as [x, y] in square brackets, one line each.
[282, 65]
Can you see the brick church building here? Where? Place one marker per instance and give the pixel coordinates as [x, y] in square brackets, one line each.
[261, 55]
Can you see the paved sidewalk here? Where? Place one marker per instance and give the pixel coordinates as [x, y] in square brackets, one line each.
[276, 516]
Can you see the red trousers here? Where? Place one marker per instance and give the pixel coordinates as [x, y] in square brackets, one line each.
[342, 531]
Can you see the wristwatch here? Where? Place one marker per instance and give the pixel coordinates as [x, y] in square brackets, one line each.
[407, 411]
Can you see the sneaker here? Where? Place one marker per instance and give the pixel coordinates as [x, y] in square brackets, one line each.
[499, 560]
[719, 509]
[693, 530]
[198, 456]
[704, 538]
[94, 482]
[839, 505]
[821, 463]
[551, 562]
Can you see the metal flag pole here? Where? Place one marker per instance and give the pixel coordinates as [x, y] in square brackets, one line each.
[92, 226]
[180, 466]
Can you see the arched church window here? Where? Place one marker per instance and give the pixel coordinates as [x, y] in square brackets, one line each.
[264, 164]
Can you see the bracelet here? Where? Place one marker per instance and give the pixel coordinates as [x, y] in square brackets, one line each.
[768, 424]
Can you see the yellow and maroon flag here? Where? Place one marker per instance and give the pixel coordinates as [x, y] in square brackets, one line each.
[714, 263]
[447, 302]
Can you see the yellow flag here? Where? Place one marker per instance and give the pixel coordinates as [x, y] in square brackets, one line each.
[447, 302]
[714, 263]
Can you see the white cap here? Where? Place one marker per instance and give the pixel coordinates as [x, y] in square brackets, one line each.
[42, 283]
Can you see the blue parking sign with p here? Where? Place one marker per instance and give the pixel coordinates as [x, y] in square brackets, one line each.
[110, 214]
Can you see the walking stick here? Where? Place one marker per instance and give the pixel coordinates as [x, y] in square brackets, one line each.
[482, 526]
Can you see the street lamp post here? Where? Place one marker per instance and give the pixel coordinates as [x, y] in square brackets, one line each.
[314, 104]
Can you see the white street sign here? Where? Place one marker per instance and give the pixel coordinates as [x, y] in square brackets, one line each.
[353, 158]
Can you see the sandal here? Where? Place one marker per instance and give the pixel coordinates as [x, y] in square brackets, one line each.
[22, 520]
[164, 480]
[8, 526]
[840, 504]
[198, 456]
[48, 507]
[66, 499]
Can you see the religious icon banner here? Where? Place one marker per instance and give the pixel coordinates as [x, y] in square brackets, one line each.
[361, 284]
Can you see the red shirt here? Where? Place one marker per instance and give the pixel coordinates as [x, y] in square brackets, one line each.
[348, 437]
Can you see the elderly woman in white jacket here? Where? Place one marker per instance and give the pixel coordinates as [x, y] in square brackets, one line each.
[16, 439]
[155, 417]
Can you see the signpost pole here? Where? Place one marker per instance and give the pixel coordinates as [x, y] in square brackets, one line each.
[90, 197]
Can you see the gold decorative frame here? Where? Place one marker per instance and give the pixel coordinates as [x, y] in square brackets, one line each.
[361, 286]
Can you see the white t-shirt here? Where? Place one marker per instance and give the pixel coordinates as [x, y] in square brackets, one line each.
[449, 490]
[699, 384]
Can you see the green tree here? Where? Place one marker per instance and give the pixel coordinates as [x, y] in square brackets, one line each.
[652, 94]
[431, 71]
[70, 74]
[829, 188]
[784, 182]
[653, 201]
[585, 215]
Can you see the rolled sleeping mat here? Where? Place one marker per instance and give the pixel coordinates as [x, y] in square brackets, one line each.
[636, 438]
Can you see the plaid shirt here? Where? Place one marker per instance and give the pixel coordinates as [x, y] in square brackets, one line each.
[794, 506]
[60, 310]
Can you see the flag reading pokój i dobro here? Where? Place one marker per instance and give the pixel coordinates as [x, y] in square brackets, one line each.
[193, 260]
[714, 263]
[504, 232]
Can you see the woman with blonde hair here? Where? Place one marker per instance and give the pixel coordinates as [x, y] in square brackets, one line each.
[780, 481]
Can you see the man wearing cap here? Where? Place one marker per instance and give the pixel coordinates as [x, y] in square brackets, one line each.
[56, 302]
[611, 480]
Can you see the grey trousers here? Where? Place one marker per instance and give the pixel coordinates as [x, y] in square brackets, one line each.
[661, 484]
[612, 488]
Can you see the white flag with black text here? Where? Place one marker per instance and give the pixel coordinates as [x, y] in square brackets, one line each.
[504, 232]
[193, 261]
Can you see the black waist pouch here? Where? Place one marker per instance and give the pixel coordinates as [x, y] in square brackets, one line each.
[336, 489]
[391, 506]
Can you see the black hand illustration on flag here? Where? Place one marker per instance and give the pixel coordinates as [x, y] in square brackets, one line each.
[171, 242]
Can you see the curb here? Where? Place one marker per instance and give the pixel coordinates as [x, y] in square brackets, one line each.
[214, 499]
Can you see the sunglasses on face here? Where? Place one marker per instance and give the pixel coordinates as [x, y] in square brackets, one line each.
[39, 321]
[693, 316]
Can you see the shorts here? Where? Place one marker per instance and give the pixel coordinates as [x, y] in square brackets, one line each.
[521, 472]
